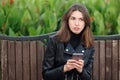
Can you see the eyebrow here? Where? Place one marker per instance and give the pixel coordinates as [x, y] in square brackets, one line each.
[79, 17]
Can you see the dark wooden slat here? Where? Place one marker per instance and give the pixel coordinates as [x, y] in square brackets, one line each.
[40, 53]
[11, 60]
[33, 60]
[19, 75]
[108, 59]
[96, 61]
[0, 62]
[102, 60]
[119, 60]
[4, 64]
[115, 60]
[26, 61]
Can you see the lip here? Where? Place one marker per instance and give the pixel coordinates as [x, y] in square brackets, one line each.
[76, 28]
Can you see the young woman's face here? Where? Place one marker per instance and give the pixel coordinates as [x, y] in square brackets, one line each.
[76, 22]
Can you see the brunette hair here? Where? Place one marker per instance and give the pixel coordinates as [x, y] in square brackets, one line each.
[63, 35]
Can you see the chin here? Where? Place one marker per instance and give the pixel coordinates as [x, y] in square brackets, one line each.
[76, 32]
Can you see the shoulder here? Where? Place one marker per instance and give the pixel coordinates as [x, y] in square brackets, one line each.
[88, 48]
[91, 49]
[53, 39]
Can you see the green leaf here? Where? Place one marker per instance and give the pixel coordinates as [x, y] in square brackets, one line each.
[118, 27]
[39, 29]
[11, 32]
[2, 19]
[26, 18]
[99, 21]
[118, 20]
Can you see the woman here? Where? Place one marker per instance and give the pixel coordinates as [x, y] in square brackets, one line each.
[74, 37]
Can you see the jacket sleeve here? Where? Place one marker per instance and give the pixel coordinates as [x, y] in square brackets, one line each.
[49, 71]
[87, 70]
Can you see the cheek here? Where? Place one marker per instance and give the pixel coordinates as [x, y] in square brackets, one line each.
[70, 25]
[82, 25]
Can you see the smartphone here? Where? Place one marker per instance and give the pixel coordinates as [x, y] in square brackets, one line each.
[77, 56]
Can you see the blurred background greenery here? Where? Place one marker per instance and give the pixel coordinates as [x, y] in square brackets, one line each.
[35, 17]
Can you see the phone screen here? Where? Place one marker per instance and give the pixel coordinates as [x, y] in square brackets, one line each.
[77, 56]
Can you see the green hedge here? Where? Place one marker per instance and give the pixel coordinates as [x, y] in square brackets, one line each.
[35, 17]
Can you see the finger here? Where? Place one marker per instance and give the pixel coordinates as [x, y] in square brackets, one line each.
[79, 63]
[71, 60]
[81, 60]
[70, 66]
[78, 68]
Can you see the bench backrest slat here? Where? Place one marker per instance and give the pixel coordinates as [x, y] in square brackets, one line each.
[119, 62]
[33, 66]
[18, 60]
[26, 61]
[102, 60]
[108, 59]
[96, 61]
[115, 60]
[11, 60]
[4, 59]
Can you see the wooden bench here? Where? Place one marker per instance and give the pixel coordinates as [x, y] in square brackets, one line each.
[21, 57]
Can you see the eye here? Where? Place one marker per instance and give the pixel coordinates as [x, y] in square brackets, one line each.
[81, 19]
[72, 18]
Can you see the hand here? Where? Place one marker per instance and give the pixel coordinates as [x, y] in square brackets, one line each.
[79, 65]
[74, 64]
[69, 65]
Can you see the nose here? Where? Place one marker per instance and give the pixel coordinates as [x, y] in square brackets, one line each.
[76, 22]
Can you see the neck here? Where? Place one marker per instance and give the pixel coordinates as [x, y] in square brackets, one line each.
[75, 39]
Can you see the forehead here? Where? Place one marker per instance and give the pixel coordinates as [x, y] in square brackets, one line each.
[76, 14]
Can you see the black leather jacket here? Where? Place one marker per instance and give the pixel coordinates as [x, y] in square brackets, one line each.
[56, 56]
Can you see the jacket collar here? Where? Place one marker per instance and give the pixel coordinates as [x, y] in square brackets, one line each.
[80, 49]
[70, 50]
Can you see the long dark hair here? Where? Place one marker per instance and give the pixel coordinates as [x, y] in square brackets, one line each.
[63, 35]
